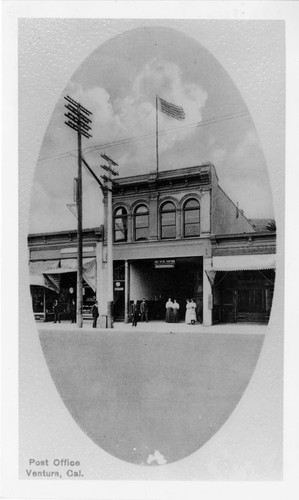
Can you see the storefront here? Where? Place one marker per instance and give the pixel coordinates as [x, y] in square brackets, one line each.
[58, 284]
[53, 272]
[157, 280]
[242, 285]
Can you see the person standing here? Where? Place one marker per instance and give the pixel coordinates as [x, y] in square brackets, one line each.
[144, 311]
[192, 312]
[56, 311]
[175, 311]
[73, 311]
[95, 314]
[188, 313]
[169, 311]
[135, 312]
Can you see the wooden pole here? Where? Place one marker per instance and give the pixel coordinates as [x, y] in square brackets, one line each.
[109, 254]
[44, 308]
[127, 291]
[78, 119]
[157, 133]
[79, 233]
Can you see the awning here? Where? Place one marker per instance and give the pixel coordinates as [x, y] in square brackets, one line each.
[241, 262]
[39, 266]
[69, 265]
[38, 273]
[48, 274]
[90, 272]
[43, 280]
[59, 270]
[37, 280]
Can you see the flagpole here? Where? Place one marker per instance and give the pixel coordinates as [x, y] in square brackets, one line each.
[157, 146]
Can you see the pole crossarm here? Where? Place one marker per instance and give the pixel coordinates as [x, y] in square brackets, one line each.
[77, 121]
[109, 169]
[75, 103]
[106, 157]
[107, 179]
[74, 110]
[78, 129]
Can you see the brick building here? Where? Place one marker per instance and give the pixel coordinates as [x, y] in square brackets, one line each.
[175, 234]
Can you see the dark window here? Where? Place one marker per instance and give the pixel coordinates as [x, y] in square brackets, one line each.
[191, 218]
[168, 221]
[120, 225]
[141, 223]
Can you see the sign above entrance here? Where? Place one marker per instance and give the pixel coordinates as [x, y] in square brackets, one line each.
[119, 286]
[164, 263]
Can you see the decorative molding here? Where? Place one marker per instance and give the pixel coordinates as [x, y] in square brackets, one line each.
[190, 196]
[140, 201]
[120, 204]
[171, 199]
[243, 251]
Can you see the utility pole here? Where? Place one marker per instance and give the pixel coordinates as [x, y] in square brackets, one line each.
[78, 120]
[108, 179]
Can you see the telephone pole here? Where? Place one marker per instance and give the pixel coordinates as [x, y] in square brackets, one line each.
[108, 179]
[78, 120]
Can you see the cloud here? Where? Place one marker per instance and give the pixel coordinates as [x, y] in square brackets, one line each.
[246, 146]
[135, 115]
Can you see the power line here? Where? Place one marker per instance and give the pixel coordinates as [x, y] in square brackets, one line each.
[90, 149]
[210, 121]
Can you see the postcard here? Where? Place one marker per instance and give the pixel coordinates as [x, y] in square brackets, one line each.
[148, 355]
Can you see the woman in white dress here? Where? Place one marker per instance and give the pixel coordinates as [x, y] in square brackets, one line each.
[192, 312]
[188, 312]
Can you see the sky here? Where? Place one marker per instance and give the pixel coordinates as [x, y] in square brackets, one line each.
[118, 83]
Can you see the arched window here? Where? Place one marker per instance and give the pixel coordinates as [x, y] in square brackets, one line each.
[191, 218]
[141, 225]
[168, 221]
[120, 224]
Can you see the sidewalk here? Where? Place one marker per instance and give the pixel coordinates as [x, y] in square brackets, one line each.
[161, 326]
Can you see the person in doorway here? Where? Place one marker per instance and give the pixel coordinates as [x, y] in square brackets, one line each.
[95, 314]
[169, 311]
[175, 311]
[56, 311]
[192, 312]
[73, 311]
[143, 311]
[199, 311]
[135, 312]
[188, 313]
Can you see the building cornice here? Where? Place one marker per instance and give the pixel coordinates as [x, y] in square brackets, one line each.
[63, 237]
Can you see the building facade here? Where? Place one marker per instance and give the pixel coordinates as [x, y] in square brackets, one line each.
[177, 235]
[166, 231]
[53, 271]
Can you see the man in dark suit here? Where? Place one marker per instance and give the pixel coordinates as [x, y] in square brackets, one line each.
[135, 312]
[56, 310]
[95, 314]
[144, 311]
[73, 311]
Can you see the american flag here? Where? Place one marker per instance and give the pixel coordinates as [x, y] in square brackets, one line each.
[172, 110]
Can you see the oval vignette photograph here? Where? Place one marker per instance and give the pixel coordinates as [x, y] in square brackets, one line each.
[152, 245]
